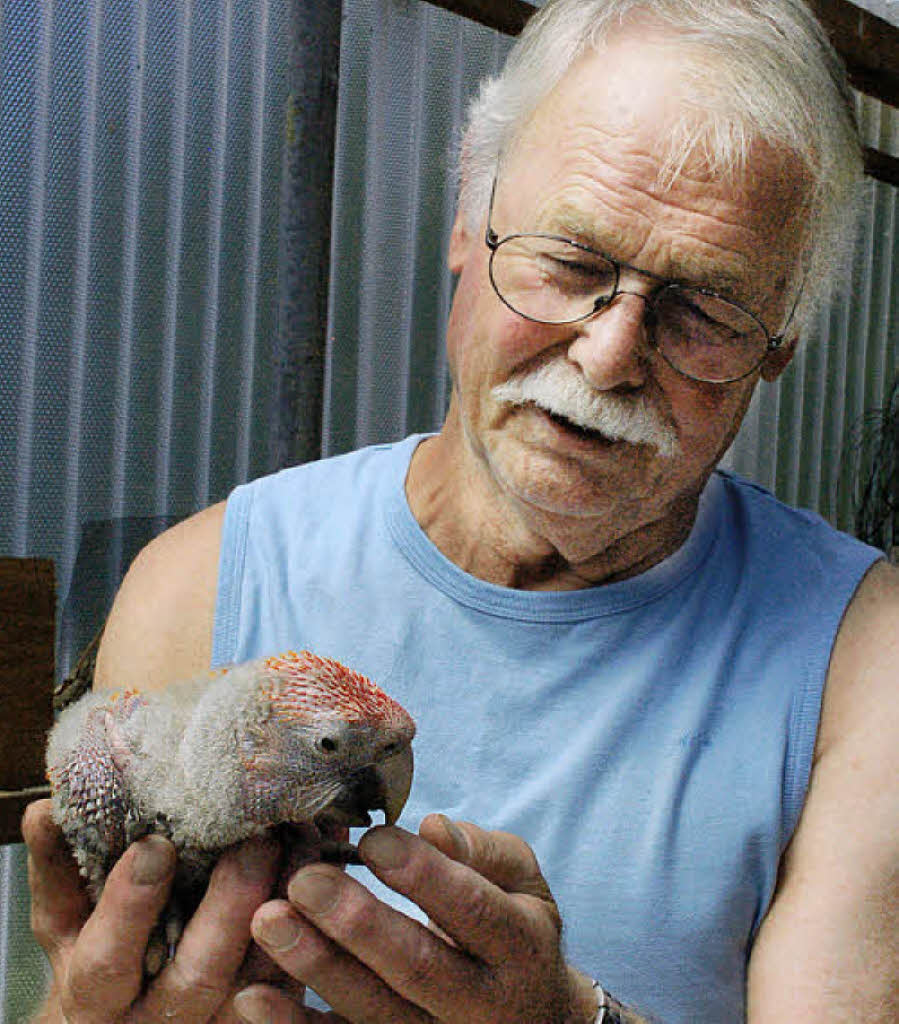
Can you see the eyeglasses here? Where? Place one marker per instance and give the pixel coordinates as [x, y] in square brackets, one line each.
[550, 279]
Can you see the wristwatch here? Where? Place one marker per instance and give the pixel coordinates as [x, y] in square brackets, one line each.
[610, 1011]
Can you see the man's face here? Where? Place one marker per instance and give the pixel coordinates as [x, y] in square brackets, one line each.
[586, 167]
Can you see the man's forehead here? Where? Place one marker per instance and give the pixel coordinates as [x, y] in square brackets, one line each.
[636, 100]
[684, 259]
[719, 233]
[632, 82]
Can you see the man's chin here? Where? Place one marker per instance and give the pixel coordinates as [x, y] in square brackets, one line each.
[575, 478]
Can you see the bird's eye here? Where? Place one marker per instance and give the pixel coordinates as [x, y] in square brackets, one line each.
[328, 744]
[391, 748]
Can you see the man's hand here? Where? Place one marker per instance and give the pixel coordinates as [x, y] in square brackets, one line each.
[97, 955]
[492, 954]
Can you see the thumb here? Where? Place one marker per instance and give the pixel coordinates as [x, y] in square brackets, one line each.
[59, 902]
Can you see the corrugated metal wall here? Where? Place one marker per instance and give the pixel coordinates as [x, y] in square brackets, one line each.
[140, 162]
[140, 156]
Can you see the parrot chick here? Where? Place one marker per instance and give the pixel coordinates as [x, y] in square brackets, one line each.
[295, 740]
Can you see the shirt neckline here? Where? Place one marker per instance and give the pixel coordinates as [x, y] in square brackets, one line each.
[543, 606]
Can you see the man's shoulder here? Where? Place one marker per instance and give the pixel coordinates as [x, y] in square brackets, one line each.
[863, 681]
[783, 531]
[323, 502]
[372, 462]
[766, 505]
[160, 626]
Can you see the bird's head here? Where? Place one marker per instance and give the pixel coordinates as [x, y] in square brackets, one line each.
[328, 747]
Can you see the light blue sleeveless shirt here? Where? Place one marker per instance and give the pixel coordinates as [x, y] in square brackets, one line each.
[651, 738]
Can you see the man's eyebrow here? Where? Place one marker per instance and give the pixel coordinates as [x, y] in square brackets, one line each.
[687, 268]
[570, 222]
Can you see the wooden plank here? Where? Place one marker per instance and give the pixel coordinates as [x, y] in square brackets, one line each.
[27, 633]
[868, 44]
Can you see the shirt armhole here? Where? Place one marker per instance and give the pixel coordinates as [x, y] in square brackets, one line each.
[232, 558]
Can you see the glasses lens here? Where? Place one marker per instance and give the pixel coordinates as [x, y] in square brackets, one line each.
[550, 280]
[706, 337]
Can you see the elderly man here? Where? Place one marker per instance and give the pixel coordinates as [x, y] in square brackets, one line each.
[678, 692]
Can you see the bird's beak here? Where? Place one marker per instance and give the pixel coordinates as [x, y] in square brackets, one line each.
[394, 782]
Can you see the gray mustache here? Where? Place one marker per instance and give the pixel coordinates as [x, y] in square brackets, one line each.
[558, 388]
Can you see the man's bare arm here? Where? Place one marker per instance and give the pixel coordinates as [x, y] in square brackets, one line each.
[828, 949]
[160, 627]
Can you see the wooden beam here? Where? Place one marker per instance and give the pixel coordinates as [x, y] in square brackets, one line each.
[868, 44]
[882, 166]
[27, 635]
[506, 16]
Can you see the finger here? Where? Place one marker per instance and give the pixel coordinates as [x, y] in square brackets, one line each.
[262, 1004]
[265, 1006]
[350, 987]
[411, 960]
[216, 938]
[59, 902]
[478, 915]
[258, 966]
[106, 966]
[505, 859]
[300, 845]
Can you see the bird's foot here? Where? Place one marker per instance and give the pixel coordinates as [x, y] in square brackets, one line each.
[338, 852]
[164, 939]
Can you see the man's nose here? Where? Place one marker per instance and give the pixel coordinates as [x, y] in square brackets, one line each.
[612, 347]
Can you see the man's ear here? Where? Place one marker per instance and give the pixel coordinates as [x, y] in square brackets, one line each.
[777, 361]
[459, 244]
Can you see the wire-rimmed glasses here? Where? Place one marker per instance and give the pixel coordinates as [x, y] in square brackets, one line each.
[551, 279]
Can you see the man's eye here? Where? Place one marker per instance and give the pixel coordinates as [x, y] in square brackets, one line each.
[574, 272]
[702, 317]
[573, 267]
[703, 321]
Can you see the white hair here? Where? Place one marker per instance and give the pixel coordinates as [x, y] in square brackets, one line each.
[767, 72]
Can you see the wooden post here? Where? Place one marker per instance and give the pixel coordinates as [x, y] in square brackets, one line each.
[306, 206]
[27, 634]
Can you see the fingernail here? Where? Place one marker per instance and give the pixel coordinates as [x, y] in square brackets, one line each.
[456, 835]
[384, 848]
[153, 861]
[254, 858]
[252, 1007]
[313, 890]
[278, 933]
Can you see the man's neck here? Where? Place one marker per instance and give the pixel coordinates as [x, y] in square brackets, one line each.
[497, 539]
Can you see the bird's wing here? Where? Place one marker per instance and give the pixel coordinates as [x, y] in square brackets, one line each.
[91, 793]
